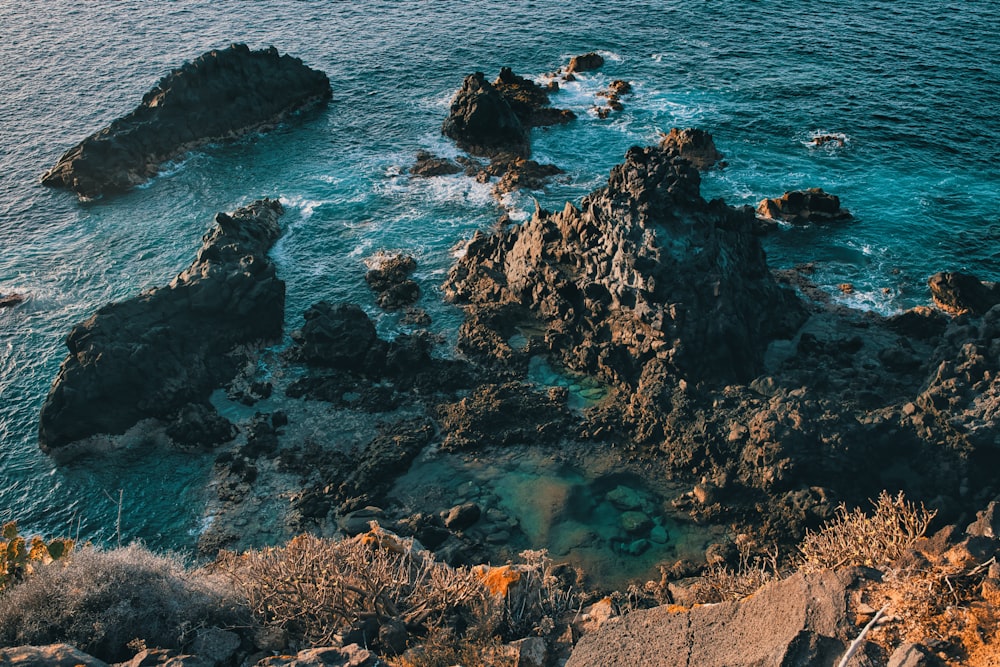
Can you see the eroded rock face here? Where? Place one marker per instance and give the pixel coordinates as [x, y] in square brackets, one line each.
[645, 278]
[529, 101]
[585, 63]
[958, 293]
[481, 121]
[802, 207]
[694, 145]
[220, 95]
[151, 355]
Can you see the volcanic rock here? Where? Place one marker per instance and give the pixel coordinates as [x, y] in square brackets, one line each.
[694, 145]
[389, 279]
[645, 278]
[801, 620]
[10, 300]
[801, 207]
[529, 101]
[221, 95]
[585, 63]
[430, 165]
[481, 121]
[151, 355]
[959, 293]
[518, 173]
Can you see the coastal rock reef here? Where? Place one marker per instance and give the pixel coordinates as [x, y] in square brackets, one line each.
[220, 95]
[150, 356]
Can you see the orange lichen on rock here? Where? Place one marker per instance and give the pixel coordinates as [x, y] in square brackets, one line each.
[498, 580]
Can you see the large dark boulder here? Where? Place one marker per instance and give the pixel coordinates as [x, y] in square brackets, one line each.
[151, 355]
[481, 121]
[529, 101]
[958, 293]
[221, 95]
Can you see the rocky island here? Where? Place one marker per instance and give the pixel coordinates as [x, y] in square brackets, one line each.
[221, 95]
[154, 354]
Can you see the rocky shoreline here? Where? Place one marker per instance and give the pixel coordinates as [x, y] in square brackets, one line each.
[693, 363]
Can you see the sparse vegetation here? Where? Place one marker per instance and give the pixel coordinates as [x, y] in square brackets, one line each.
[855, 538]
[101, 601]
[316, 589]
[18, 557]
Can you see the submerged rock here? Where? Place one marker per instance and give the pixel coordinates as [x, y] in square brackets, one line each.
[10, 300]
[428, 165]
[151, 355]
[801, 207]
[220, 95]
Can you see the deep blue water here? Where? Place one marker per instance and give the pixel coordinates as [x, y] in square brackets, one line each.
[913, 84]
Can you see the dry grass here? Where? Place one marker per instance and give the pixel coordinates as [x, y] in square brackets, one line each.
[721, 583]
[316, 589]
[101, 601]
[854, 538]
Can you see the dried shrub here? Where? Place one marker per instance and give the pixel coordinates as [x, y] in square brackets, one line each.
[315, 589]
[854, 538]
[101, 601]
[721, 583]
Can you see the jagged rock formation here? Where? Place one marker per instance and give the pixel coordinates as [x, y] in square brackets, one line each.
[801, 207]
[529, 101]
[481, 121]
[220, 95]
[694, 145]
[645, 279]
[959, 293]
[428, 165]
[491, 119]
[389, 278]
[153, 354]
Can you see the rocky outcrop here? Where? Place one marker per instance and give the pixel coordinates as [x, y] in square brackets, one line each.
[428, 165]
[694, 145]
[220, 95]
[10, 300]
[585, 63]
[491, 119]
[53, 655]
[529, 101]
[389, 278]
[959, 293]
[353, 367]
[645, 279]
[802, 207]
[481, 121]
[801, 620]
[517, 173]
[151, 355]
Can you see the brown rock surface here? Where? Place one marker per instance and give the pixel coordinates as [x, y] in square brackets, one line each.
[801, 207]
[54, 655]
[958, 293]
[694, 145]
[798, 621]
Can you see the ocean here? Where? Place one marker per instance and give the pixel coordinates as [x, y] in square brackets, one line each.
[913, 85]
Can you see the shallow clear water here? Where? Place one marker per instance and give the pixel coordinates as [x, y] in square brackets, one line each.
[913, 84]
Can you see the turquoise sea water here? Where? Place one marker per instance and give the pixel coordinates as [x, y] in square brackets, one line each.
[913, 84]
